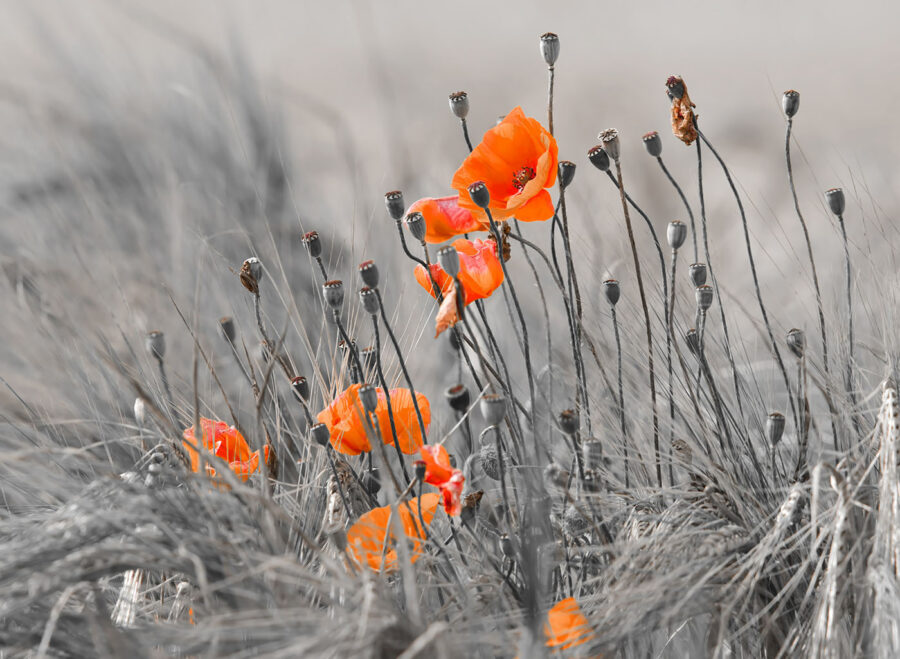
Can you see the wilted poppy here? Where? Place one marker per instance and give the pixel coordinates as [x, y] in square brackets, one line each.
[225, 442]
[445, 218]
[517, 160]
[440, 473]
[566, 625]
[372, 540]
[346, 421]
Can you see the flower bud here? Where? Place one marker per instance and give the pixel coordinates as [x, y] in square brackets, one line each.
[774, 428]
[704, 295]
[420, 469]
[415, 222]
[791, 102]
[676, 233]
[369, 299]
[836, 201]
[493, 408]
[371, 480]
[653, 143]
[156, 344]
[550, 47]
[320, 434]
[674, 87]
[609, 140]
[569, 422]
[490, 461]
[698, 273]
[574, 522]
[300, 385]
[458, 397]
[226, 323]
[480, 194]
[459, 104]
[693, 341]
[333, 292]
[368, 396]
[599, 158]
[566, 173]
[448, 257]
[592, 453]
[796, 341]
[368, 273]
[313, 244]
[611, 291]
[394, 202]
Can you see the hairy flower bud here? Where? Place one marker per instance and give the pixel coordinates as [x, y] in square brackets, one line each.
[774, 428]
[368, 273]
[459, 104]
[490, 461]
[698, 273]
[796, 341]
[369, 299]
[313, 244]
[704, 295]
[652, 143]
[836, 201]
[566, 173]
[448, 258]
[493, 408]
[611, 291]
[569, 422]
[300, 385]
[791, 102]
[320, 434]
[676, 233]
[599, 158]
[480, 194]
[156, 344]
[458, 397]
[415, 222]
[393, 200]
[368, 396]
[226, 323]
[609, 140]
[550, 47]
[333, 292]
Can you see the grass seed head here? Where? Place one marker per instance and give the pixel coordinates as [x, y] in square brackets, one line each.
[490, 460]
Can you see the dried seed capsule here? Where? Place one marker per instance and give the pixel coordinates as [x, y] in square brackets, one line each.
[368, 273]
[458, 397]
[569, 422]
[698, 273]
[836, 201]
[704, 295]
[611, 291]
[506, 546]
[251, 274]
[493, 408]
[300, 385]
[369, 299]
[320, 434]
[796, 341]
[775, 428]
[574, 522]
[333, 292]
[566, 173]
[156, 344]
[791, 102]
[653, 143]
[550, 47]
[693, 341]
[393, 200]
[609, 140]
[592, 453]
[448, 257]
[420, 469]
[674, 87]
[599, 158]
[480, 194]
[555, 474]
[676, 233]
[313, 244]
[459, 104]
[368, 396]
[226, 323]
[371, 480]
[415, 222]
[490, 461]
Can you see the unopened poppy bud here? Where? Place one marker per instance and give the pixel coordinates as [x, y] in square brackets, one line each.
[774, 428]
[480, 194]
[698, 273]
[612, 291]
[550, 47]
[368, 396]
[693, 341]
[791, 102]
[493, 408]
[156, 344]
[393, 200]
[836, 201]
[574, 522]
[371, 480]
[609, 140]
[226, 323]
[415, 222]
[652, 143]
[369, 300]
[676, 233]
[333, 292]
[300, 385]
[140, 412]
[490, 461]
[704, 295]
[506, 546]
[458, 397]
[448, 257]
[566, 173]
[592, 453]
[555, 474]
[674, 87]
[796, 341]
[569, 422]
[599, 158]
[368, 272]
[313, 244]
[459, 104]
[420, 469]
[320, 434]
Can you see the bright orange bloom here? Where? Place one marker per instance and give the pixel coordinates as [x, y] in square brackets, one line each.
[372, 540]
[517, 160]
[450, 481]
[225, 442]
[566, 625]
[445, 219]
[346, 420]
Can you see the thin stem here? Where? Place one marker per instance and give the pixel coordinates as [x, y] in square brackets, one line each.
[684, 200]
[615, 323]
[551, 74]
[669, 355]
[849, 375]
[387, 394]
[465, 129]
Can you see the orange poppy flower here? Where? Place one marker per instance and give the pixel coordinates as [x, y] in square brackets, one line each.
[566, 625]
[225, 442]
[450, 481]
[346, 421]
[517, 160]
[372, 540]
[445, 219]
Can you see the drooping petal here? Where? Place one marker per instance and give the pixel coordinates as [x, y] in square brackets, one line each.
[346, 423]
[567, 626]
[371, 540]
[481, 272]
[409, 434]
[445, 218]
[447, 315]
[441, 279]
[437, 464]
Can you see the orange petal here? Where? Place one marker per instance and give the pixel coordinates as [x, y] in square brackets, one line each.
[567, 626]
[445, 218]
[447, 315]
[540, 207]
[409, 434]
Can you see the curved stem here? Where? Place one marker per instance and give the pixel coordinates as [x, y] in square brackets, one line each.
[615, 323]
[387, 394]
[684, 200]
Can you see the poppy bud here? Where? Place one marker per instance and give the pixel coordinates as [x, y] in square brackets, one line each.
[140, 412]
[674, 87]
[313, 244]
[371, 480]
[156, 344]
[676, 233]
[569, 422]
[698, 273]
[320, 434]
[251, 274]
[493, 408]
[796, 341]
[550, 47]
[598, 158]
[836, 201]
[227, 325]
[774, 428]
[415, 222]
[490, 461]
[652, 143]
[704, 295]
[458, 397]
[611, 291]
[368, 396]
[420, 469]
[369, 300]
[300, 385]
[506, 546]
[459, 104]
[693, 341]
[448, 257]
[791, 102]
[592, 453]
[574, 522]
[368, 272]
[554, 474]
[480, 194]
[609, 140]
[566, 173]
[394, 202]
[333, 292]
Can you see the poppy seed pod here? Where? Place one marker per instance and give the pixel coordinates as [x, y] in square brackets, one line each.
[459, 104]
[574, 522]
[490, 461]
[566, 173]
[704, 295]
[393, 200]
[256, 270]
[796, 341]
[415, 222]
[368, 273]
[458, 397]
[371, 480]
[611, 291]
[674, 87]
[448, 257]
[420, 469]
[313, 244]
[320, 434]
[790, 102]
[676, 233]
[250, 274]
[368, 396]
[698, 273]
[693, 341]
[592, 453]
[652, 143]
[836, 201]
[550, 47]
[227, 325]
[569, 422]
[480, 194]
[333, 292]
[369, 299]
[609, 139]
[598, 158]
[506, 546]
[156, 344]
[300, 385]
[774, 428]
[493, 408]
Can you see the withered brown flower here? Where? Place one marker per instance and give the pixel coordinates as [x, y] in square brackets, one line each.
[682, 110]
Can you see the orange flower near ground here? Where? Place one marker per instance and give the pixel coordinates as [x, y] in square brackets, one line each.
[566, 625]
[517, 160]
[450, 481]
[346, 421]
[445, 219]
[225, 442]
[372, 540]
